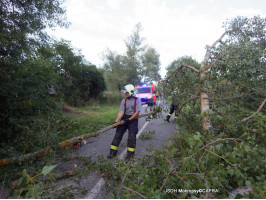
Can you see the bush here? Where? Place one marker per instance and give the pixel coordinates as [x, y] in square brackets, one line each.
[112, 97]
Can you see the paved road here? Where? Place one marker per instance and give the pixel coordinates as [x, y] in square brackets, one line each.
[101, 145]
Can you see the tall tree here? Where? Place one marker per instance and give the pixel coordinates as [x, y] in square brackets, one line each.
[22, 25]
[24, 74]
[135, 47]
[240, 55]
[115, 71]
[80, 80]
[228, 97]
[139, 62]
[150, 65]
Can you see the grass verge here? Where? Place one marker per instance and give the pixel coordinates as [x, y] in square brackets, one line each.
[52, 129]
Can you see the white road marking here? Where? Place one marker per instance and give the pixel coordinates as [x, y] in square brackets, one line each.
[95, 190]
[93, 193]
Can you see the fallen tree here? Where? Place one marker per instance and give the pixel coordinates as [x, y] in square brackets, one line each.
[68, 142]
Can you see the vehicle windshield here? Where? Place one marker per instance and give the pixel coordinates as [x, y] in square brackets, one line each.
[143, 90]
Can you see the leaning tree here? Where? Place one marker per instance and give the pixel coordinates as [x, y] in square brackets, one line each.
[232, 72]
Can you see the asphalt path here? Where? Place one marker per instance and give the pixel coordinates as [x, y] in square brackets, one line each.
[100, 146]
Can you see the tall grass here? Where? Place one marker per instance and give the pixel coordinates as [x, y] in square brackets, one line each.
[112, 97]
[92, 118]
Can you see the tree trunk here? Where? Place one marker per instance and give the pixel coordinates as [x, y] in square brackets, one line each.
[204, 98]
[205, 106]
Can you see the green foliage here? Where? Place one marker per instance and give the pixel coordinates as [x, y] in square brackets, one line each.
[241, 55]
[147, 135]
[47, 169]
[115, 72]
[22, 25]
[37, 75]
[140, 62]
[25, 76]
[230, 154]
[52, 128]
[150, 67]
[112, 97]
[185, 82]
[192, 161]
[30, 187]
[80, 82]
[25, 92]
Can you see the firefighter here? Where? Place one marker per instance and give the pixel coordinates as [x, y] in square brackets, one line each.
[129, 109]
[174, 107]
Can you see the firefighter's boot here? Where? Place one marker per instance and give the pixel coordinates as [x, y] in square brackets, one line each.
[129, 155]
[112, 154]
[168, 117]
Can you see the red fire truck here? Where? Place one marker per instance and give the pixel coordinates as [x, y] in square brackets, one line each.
[146, 93]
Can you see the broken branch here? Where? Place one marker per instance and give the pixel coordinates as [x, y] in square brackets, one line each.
[259, 109]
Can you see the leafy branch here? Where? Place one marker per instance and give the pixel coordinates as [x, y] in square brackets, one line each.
[28, 187]
[259, 109]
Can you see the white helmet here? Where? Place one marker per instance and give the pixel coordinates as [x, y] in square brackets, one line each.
[130, 89]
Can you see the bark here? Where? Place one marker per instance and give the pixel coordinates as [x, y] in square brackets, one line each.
[205, 103]
[190, 67]
[259, 109]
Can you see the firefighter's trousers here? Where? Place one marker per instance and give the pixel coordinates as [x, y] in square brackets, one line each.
[173, 109]
[132, 128]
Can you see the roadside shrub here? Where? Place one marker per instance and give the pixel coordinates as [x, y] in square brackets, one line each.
[112, 97]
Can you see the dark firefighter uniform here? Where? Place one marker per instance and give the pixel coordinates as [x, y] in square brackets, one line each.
[173, 108]
[129, 106]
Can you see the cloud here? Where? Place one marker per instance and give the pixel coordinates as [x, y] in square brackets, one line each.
[232, 12]
[173, 28]
[114, 4]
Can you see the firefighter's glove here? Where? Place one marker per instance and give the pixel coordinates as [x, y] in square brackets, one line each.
[126, 121]
[113, 123]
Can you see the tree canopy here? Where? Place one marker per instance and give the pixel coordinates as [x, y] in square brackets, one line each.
[139, 63]
[232, 79]
[37, 73]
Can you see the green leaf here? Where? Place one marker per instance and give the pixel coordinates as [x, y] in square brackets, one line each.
[248, 183]
[24, 173]
[174, 150]
[11, 193]
[196, 137]
[23, 183]
[30, 191]
[238, 196]
[218, 146]
[23, 193]
[35, 191]
[47, 169]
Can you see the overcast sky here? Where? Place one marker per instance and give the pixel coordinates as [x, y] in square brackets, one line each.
[173, 27]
